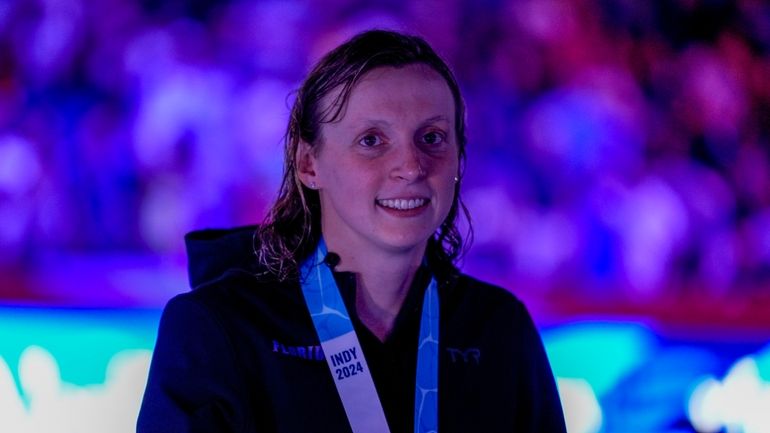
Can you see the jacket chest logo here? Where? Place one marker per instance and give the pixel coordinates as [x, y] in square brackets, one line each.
[312, 353]
[468, 355]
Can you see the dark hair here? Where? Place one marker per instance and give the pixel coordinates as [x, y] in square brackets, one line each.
[293, 225]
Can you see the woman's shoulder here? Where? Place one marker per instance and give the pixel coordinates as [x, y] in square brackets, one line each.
[238, 285]
[475, 290]
[234, 298]
[226, 282]
[473, 300]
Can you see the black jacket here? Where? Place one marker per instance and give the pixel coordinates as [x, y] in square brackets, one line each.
[239, 354]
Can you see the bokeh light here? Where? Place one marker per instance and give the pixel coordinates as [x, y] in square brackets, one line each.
[618, 177]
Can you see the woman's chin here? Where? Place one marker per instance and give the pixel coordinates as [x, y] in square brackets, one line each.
[405, 241]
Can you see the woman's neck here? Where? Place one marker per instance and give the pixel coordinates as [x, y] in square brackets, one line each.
[383, 281]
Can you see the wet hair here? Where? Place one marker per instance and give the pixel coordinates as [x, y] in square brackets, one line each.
[292, 227]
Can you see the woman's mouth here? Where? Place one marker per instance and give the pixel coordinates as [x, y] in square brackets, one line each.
[403, 203]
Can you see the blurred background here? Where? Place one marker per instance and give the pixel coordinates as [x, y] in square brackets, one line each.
[618, 177]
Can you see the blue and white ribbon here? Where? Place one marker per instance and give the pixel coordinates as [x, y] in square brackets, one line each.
[346, 360]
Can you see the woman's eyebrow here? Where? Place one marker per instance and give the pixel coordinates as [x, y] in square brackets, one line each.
[376, 122]
[381, 123]
[434, 119]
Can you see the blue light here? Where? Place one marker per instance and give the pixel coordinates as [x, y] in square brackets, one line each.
[763, 363]
[81, 340]
[602, 353]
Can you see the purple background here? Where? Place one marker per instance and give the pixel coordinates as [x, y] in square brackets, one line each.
[618, 161]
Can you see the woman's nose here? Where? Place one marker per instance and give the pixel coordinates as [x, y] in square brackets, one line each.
[408, 164]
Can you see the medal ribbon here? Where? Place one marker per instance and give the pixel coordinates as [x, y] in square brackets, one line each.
[346, 360]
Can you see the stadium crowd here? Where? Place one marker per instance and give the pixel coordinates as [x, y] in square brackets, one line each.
[616, 148]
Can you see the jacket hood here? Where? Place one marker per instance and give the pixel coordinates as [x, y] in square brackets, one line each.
[212, 252]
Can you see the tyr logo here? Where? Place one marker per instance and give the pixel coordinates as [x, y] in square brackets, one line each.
[465, 355]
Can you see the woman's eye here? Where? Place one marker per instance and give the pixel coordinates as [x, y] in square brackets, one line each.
[370, 140]
[433, 138]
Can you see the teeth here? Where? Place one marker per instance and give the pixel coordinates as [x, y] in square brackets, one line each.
[402, 204]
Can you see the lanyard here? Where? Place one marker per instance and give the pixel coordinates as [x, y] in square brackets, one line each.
[346, 360]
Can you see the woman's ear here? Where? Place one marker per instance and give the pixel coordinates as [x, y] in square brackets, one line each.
[306, 161]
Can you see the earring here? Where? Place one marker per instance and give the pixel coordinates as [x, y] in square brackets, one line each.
[312, 185]
[457, 179]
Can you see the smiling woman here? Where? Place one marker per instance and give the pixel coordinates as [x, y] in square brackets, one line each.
[344, 311]
[385, 171]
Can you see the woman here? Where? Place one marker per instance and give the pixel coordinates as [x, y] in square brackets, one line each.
[344, 311]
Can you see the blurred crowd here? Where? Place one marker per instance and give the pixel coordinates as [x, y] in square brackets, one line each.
[616, 147]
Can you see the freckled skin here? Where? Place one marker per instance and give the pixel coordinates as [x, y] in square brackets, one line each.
[395, 140]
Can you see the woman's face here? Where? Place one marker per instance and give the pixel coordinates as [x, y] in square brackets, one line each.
[385, 170]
